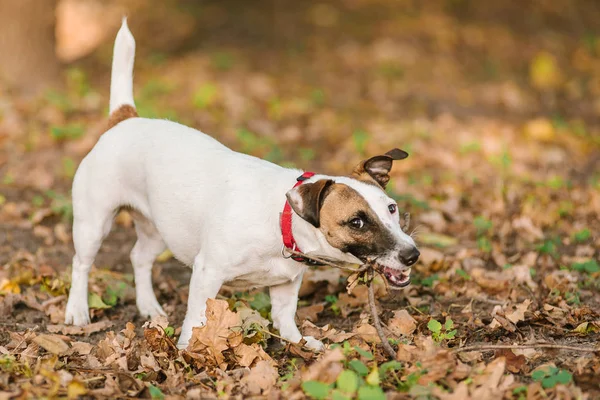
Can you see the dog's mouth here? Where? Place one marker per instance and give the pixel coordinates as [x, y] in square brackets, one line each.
[395, 277]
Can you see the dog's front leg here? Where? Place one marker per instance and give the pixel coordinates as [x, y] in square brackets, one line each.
[284, 301]
[204, 284]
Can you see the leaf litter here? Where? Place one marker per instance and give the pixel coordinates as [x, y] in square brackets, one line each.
[502, 186]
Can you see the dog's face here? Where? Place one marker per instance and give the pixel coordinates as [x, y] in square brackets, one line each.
[356, 216]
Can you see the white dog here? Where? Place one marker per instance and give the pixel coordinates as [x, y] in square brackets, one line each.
[228, 215]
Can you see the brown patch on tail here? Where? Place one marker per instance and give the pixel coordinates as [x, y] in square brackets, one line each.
[121, 114]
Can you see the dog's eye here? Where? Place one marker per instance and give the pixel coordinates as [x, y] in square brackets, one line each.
[392, 208]
[357, 223]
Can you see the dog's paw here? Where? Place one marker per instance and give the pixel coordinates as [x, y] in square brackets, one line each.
[150, 309]
[78, 316]
[182, 346]
[313, 343]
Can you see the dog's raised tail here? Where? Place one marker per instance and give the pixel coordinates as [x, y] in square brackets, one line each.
[122, 105]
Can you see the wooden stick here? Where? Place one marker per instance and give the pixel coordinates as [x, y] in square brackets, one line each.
[483, 347]
[346, 266]
[376, 322]
[370, 271]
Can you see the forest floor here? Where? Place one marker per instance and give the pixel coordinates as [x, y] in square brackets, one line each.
[499, 108]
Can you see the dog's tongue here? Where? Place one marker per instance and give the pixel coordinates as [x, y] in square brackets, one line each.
[396, 277]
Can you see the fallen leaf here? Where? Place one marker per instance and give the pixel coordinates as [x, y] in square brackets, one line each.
[310, 312]
[368, 333]
[52, 343]
[212, 339]
[402, 323]
[261, 379]
[80, 330]
[518, 314]
[514, 363]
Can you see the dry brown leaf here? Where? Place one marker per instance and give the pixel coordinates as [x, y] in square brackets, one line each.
[514, 363]
[261, 379]
[518, 314]
[324, 368]
[213, 338]
[310, 313]
[246, 355]
[80, 330]
[368, 333]
[81, 348]
[52, 343]
[402, 323]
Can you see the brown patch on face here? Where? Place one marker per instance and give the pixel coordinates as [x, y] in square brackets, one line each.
[342, 205]
[121, 114]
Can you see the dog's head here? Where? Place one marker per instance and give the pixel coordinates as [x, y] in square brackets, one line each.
[356, 216]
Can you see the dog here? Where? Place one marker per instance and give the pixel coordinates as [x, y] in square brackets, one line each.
[230, 216]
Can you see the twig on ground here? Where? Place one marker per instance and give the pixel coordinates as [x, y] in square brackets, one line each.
[376, 322]
[25, 337]
[483, 347]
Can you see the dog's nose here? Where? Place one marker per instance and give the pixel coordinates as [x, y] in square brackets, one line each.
[409, 257]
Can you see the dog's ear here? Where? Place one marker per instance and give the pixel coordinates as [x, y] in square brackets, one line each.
[306, 200]
[378, 168]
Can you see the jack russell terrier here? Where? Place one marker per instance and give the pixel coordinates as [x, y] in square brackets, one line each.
[229, 216]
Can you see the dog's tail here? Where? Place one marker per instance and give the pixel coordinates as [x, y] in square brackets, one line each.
[122, 105]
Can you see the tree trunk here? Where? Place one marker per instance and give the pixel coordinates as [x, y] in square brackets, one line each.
[28, 63]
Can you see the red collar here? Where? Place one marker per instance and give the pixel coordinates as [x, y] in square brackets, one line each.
[286, 225]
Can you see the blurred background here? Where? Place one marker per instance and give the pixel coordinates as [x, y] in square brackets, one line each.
[497, 103]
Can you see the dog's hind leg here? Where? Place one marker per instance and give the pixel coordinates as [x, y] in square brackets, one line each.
[148, 246]
[88, 234]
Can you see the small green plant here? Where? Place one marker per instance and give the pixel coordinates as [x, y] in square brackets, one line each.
[549, 247]
[262, 146]
[411, 379]
[61, 205]
[483, 227]
[69, 167]
[222, 61]
[205, 95]
[261, 302]
[155, 393]
[441, 332]
[552, 376]
[306, 153]
[589, 267]
[67, 132]
[582, 235]
[360, 139]
[317, 96]
[113, 293]
[430, 280]
[170, 331]
[290, 368]
[77, 82]
[357, 380]
[573, 298]
[463, 274]
[95, 302]
[521, 392]
[332, 300]
[470, 147]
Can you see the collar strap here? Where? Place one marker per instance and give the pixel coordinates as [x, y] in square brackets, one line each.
[286, 226]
